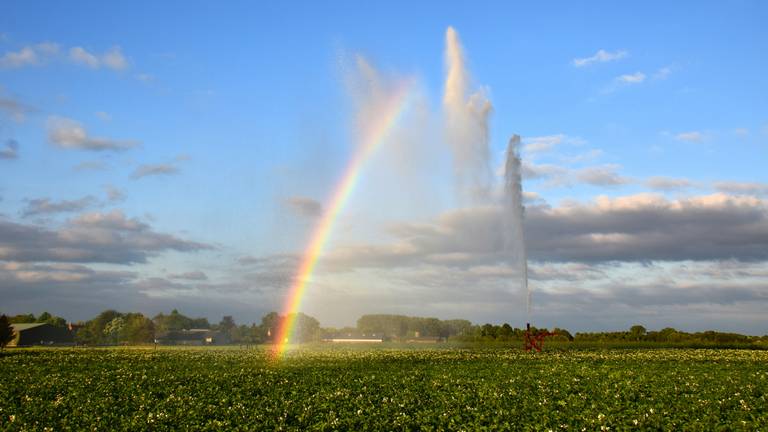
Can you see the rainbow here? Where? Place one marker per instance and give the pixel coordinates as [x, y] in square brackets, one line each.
[391, 112]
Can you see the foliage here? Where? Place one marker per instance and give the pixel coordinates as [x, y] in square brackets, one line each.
[57, 321]
[44, 317]
[638, 333]
[401, 326]
[175, 321]
[93, 331]
[246, 335]
[137, 329]
[114, 328]
[23, 319]
[306, 328]
[335, 388]
[6, 331]
[270, 324]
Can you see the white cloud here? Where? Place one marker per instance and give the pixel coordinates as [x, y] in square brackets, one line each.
[112, 59]
[26, 56]
[104, 116]
[154, 170]
[304, 206]
[539, 145]
[80, 56]
[667, 183]
[40, 53]
[555, 175]
[606, 175]
[542, 144]
[601, 56]
[193, 276]
[69, 134]
[26, 273]
[93, 237]
[45, 206]
[29, 55]
[145, 77]
[662, 73]
[692, 136]
[741, 132]
[10, 150]
[583, 157]
[90, 166]
[635, 78]
[743, 188]
[114, 194]
[160, 169]
[15, 109]
[635, 228]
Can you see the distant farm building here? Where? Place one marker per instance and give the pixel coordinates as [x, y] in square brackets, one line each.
[41, 334]
[192, 337]
[424, 339]
[354, 338]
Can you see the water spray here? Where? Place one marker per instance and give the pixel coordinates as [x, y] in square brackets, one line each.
[514, 214]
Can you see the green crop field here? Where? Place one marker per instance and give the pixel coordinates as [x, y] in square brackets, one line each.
[332, 388]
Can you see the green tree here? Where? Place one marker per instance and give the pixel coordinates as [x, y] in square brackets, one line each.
[47, 318]
[270, 324]
[93, 332]
[489, 331]
[393, 326]
[255, 335]
[227, 323]
[637, 332]
[86, 335]
[562, 334]
[505, 332]
[6, 332]
[431, 327]
[114, 328]
[22, 319]
[457, 327]
[137, 329]
[172, 322]
[305, 328]
[199, 323]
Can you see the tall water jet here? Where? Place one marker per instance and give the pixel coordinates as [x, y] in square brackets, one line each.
[467, 114]
[514, 212]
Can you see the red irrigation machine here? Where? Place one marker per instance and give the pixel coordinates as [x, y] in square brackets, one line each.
[534, 340]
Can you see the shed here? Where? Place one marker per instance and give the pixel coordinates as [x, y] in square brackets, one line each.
[30, 334]
[192, 337]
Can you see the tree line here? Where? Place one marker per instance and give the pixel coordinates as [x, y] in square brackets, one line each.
[111, 327]
[638, 333]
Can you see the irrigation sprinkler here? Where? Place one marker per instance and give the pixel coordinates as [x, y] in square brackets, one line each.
[535, 340]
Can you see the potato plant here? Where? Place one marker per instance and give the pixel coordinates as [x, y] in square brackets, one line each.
[331, 388]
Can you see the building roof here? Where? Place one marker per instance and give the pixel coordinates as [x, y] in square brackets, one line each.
[26, 326]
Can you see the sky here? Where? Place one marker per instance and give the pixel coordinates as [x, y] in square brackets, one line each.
[161, 155]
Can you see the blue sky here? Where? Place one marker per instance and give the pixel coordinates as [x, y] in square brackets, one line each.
[234, 122]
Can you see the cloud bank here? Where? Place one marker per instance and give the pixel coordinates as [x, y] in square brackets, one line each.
[89, 238]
